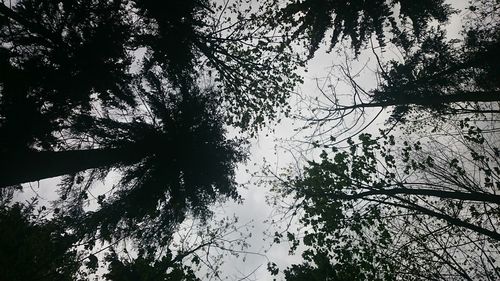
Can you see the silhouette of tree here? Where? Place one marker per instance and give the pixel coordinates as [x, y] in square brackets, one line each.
[230, 43]
[61, 59]
[182, 163]
[358, 21]
[91, 86]
[348, 269]
[382, 211]
[438, 76]
[187, 128]
[443, 79]
[56, 59]
[145, 269]
[419, 205]
[38, 247]
[35, 249]
[192, 251]
[71, 68]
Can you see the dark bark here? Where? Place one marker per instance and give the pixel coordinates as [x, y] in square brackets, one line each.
[21, 167]
[490, 96]
[467, 196]
[451, 220]
[411, 206]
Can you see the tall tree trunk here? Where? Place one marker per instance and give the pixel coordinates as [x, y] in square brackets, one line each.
[430, 99]
[17, 168]
[491, 96]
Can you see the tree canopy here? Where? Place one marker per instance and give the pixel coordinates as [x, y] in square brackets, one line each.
[359, 20]
[147, 96]
[37, 249]
[416, 200]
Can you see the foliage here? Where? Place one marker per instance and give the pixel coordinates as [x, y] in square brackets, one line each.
[353, 266]
[146, 90]
[185, 166]
[62, 59]
[440, 74]
[118, 82]
[417, 210]
[420, 204]
[38, 244]
[435, 77]
[57, 58]
[358, 21]
[147, 268]
[35, 248]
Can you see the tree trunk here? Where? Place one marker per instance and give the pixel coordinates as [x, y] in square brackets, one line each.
[491, 96]
[17, 168]
[479, 96]
[458, 195]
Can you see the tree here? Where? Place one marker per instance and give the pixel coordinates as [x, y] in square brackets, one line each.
[38, 244]
[347, 269]
[442, 78]
[70, 73]
[421, 204]
[173, 167]
[195, 248]
[186, 130]
[141, 269]
[181, 164]
[420, 210]
[57, 59]
[62, 59]
[162, 158]
[437, 75]
[35, 249]
[358, 21]
[148, 59]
